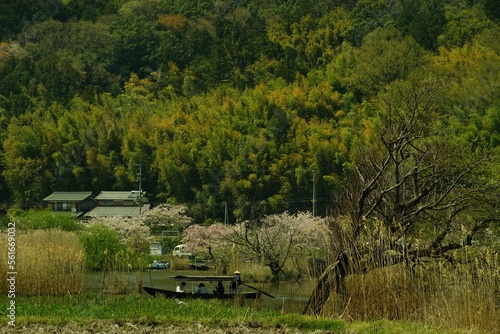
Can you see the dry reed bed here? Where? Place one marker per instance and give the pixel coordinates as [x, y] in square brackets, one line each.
[458, 296]
[48, 262]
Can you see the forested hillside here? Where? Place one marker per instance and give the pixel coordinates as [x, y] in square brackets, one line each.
[257, 105]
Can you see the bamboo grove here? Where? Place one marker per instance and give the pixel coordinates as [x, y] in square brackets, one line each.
[251, 106]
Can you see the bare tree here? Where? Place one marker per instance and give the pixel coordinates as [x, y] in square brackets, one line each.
[411, 194]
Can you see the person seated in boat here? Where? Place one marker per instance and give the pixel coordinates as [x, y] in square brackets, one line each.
[235, 282]
[201, 289]
[180, 288]
[219, 289]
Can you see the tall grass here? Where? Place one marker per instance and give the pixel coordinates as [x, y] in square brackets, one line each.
[179, 263]
[118, 270]
[253, 272]
[463, 296]
[461, 291]
[48, 262]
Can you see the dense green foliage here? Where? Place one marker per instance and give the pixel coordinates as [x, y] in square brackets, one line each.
[228, 102]
[44, 220]
[102, 247]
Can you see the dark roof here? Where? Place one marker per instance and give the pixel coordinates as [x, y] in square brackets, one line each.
[68, 196]
[119, 195]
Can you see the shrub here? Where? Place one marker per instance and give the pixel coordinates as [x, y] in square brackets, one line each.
[102, 245]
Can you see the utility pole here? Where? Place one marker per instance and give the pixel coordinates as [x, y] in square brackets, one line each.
[139, 178]
[314, 192]
[226, 215]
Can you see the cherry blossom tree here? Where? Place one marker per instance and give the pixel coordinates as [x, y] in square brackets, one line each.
[134, 229]
[272, 240]
[214, 240]
[166, 216]
[127, 227]
[276, 239]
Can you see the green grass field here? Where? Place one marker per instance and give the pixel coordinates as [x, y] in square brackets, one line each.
[136, 309]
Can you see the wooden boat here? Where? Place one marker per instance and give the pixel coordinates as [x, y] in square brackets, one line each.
[156, 292]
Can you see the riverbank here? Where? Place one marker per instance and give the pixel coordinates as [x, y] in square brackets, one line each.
[124, 327]
[92, 313]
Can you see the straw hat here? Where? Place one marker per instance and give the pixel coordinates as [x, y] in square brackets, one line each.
[236, 272]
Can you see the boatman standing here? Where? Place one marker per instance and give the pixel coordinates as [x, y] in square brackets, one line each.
[235, 282]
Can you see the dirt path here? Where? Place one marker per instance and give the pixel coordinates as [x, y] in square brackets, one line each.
[108, 327]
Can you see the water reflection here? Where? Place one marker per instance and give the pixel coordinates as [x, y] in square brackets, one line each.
[290, 296]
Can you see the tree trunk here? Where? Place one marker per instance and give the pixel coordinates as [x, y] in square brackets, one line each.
[275, 269]
[321, 292]
[323, 288]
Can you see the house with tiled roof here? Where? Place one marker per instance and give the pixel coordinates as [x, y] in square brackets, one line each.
[106, 204]
[71, 201]
[119, 203]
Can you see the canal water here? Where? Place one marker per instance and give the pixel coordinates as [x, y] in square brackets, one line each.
[290, 296]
